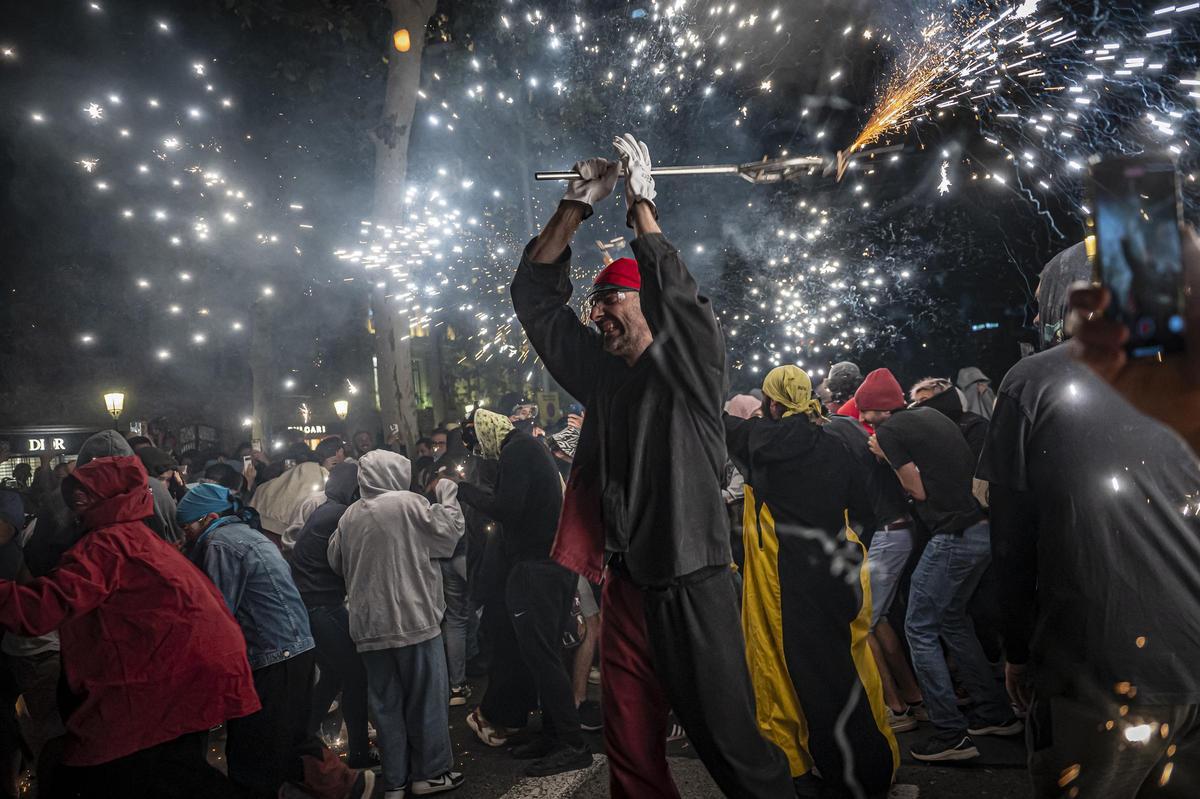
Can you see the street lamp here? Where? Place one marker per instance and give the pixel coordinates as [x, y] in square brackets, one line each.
[341, 408]
[114, 401]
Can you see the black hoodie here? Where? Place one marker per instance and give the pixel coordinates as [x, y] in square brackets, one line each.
[973, 426]
[798, 469]
[319, 585]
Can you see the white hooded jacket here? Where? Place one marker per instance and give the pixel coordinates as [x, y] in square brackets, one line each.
[385, 547]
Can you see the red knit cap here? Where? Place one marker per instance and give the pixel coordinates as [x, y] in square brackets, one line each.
[879, 392]
[622, 273]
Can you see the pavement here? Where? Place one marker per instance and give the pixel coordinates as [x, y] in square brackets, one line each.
[492, 773]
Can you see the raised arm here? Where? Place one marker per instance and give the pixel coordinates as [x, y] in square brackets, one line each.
[683, 324]
[443, 521]
[542, 288]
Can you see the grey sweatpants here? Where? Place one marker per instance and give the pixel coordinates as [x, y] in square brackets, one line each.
[408, 692]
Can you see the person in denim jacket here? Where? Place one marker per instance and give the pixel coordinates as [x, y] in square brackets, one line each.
[275, 745]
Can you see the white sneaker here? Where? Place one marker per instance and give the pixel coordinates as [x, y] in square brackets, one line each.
[901, 722]
[399, 793]
[492, 736]
[447, 782]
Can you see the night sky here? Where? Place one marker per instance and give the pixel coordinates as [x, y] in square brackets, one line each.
[304, 83]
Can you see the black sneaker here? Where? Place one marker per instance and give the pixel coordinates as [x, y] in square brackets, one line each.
[590, 717]
[533, 749]
[1013, 726]
[459, 695]
[563, 759]
[945, 746]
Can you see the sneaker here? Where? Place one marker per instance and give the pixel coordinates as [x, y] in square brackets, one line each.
[675, 732]
[447, 782]
[901, 722]
[945, 746]
[364, 785]
[594, 676]
[533, 749]
[459, 695]
[398, 793]
[590, 717]
[918, 711]
[1013, 726]
[492, 736]
[562, 759]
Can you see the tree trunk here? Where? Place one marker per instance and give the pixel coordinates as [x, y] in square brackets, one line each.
[397, 398]
[261, 373]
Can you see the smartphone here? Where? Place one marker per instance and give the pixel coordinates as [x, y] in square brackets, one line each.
[246, 461]
[1136, 211]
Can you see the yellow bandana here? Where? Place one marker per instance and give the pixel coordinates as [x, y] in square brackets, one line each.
[791, 387]
[491, 429]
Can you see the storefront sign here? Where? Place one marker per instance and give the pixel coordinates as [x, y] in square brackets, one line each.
[310, 429]
[44, 442]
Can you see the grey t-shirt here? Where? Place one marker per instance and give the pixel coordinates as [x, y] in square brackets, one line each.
[1115, 496]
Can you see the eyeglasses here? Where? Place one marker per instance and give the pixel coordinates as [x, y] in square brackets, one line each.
[607, 299]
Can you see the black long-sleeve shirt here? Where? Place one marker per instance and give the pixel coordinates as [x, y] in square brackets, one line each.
[527, 499]
[653, 446]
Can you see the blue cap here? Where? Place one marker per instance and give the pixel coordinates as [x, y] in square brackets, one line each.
[202, 500]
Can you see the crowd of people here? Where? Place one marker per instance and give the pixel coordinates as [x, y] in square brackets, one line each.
[789, 577]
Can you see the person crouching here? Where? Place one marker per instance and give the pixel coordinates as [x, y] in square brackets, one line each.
[276, 745]
[150, 653]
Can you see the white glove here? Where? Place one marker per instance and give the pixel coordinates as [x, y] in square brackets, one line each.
[597, 179]
[635, 156]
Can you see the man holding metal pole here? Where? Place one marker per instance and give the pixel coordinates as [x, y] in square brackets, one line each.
[643, 502]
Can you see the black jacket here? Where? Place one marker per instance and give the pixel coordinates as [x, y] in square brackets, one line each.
[973, 426]
[652, 452]
[800, 470]
[527, 499]
[885, 497]
[319, 585]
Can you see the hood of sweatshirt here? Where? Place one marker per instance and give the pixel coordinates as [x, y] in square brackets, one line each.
[969, 376]
[948, 403]
[105, 444]
[381, 471]
[342, 485]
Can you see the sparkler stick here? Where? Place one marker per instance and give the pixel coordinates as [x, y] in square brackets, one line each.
[768, 170]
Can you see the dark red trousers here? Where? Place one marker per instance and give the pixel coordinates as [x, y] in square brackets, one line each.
[681, 646]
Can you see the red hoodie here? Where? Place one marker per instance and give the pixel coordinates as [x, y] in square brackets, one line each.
[148, 645]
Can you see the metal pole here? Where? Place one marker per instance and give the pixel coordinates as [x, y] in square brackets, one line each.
[660, 171]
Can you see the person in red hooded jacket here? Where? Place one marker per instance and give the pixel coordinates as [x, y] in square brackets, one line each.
[150, 651]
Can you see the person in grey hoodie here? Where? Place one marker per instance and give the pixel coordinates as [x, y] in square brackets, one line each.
[386, 546]
[977, 390]
[57, 529]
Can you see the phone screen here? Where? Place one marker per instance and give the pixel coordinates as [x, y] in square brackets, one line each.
[246, 461]
[1136, 212]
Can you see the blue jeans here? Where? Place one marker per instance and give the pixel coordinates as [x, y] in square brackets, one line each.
[942, 585]
[408, 694]
[456, 621]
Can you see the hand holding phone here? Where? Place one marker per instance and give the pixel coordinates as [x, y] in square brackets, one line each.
[1166, 389]
[1136, 214]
